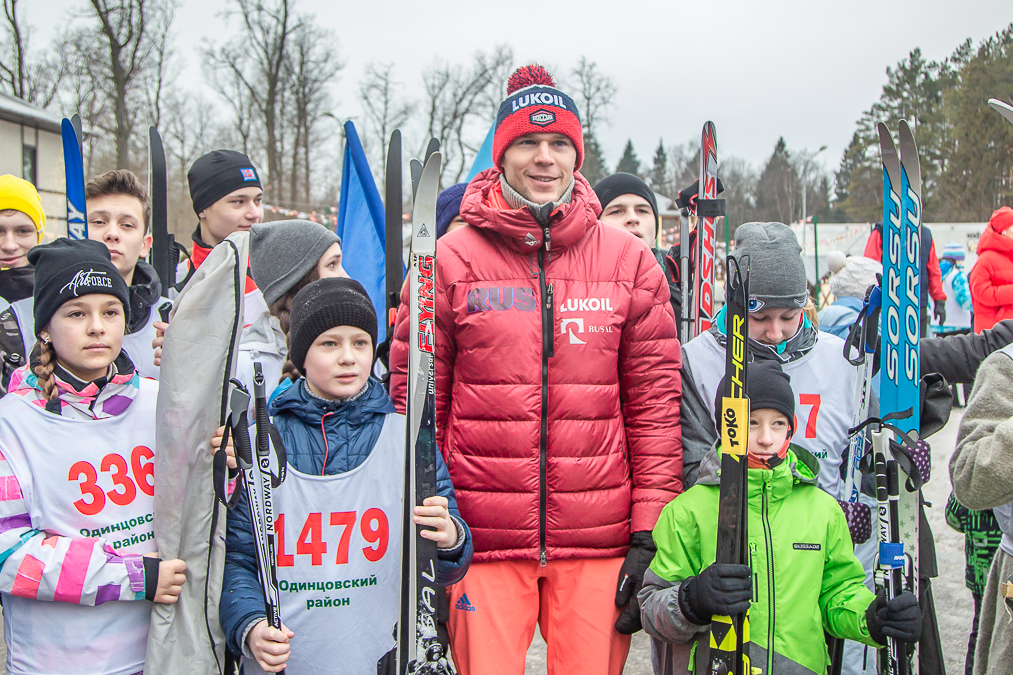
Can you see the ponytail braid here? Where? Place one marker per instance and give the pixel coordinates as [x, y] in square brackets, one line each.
[44, 368]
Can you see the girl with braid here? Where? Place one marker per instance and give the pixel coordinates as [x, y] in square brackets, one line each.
[78, 564]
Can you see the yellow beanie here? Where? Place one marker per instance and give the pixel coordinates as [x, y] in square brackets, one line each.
[20, 195]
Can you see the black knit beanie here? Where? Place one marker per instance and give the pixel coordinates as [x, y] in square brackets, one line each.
[768, 388]
[69, 268]
[618, 184]
[324, 304]
[217, 174]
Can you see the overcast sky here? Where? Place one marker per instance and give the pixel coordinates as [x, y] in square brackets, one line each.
[804, 70]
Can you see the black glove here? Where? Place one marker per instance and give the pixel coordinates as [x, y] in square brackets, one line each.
[688, 196]
[900, 618]
[939, 311]
[724, 590]
[631, 580]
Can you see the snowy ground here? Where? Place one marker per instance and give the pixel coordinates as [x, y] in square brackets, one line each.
[953, 601]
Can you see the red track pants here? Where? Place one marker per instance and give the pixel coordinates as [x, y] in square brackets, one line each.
[493, 613]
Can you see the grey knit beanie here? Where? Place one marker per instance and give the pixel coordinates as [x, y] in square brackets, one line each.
[282, 252]
[854, 277]
[776, 272]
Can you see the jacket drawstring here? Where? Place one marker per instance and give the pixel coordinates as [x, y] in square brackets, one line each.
[327, 448]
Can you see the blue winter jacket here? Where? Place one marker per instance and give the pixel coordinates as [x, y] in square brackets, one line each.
[352, 430]
[838, 317]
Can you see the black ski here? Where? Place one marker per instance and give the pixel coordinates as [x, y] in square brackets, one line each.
[729, 652]
[164, 255]
[393, 207]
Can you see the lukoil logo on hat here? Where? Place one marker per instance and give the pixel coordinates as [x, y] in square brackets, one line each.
[542, 118]
[248, 174]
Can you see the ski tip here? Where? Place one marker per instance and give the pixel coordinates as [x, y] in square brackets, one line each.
[1001, 107]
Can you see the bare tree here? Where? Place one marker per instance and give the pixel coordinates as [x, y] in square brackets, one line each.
[455, 97]
[188, 131]
[129, 29]
[253, 65]
[384, 111]
[81, 92]
[35, 80]
[162, 69]
[595, 94]
[311, 66]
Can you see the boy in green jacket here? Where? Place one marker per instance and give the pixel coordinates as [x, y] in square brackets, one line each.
[803, 577]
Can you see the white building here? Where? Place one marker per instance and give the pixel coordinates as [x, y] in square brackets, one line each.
[31, 147]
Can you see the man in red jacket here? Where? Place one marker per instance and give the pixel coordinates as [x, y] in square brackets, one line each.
[558, 389]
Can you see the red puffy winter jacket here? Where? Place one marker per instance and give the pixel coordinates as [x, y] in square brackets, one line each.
[557, 450]
[991, 278]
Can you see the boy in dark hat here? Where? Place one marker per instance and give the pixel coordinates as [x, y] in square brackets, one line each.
[817, 582]
[227, 197]
[346, 454]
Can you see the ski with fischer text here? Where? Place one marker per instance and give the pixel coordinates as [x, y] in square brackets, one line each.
[729, 635]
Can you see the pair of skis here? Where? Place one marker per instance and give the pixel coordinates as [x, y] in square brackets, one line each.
[900, 375]
[729, 635]
[254, 460]
[419, 651]
[707, 208]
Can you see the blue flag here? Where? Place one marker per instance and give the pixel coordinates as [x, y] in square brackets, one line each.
[483, 160]
[361, 227]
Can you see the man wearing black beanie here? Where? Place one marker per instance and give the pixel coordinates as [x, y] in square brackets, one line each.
[629, 204]
[227, 197]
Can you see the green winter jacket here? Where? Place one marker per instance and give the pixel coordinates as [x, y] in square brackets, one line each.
[806, 577]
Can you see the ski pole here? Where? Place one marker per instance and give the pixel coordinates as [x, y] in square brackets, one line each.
[893, 660]
[686, 332]
[863, 338]
[268, 568]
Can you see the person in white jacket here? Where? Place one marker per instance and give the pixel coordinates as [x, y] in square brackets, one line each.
[78, 562]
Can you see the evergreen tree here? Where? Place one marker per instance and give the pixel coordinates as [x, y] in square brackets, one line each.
[778, 196]
[629, 162]
[659, 174]
[593, 169]
[979, 172]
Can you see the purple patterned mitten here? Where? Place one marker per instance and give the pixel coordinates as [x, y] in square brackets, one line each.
[859, 517]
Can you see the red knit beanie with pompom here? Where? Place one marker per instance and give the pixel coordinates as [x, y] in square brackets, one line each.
[534, 106]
